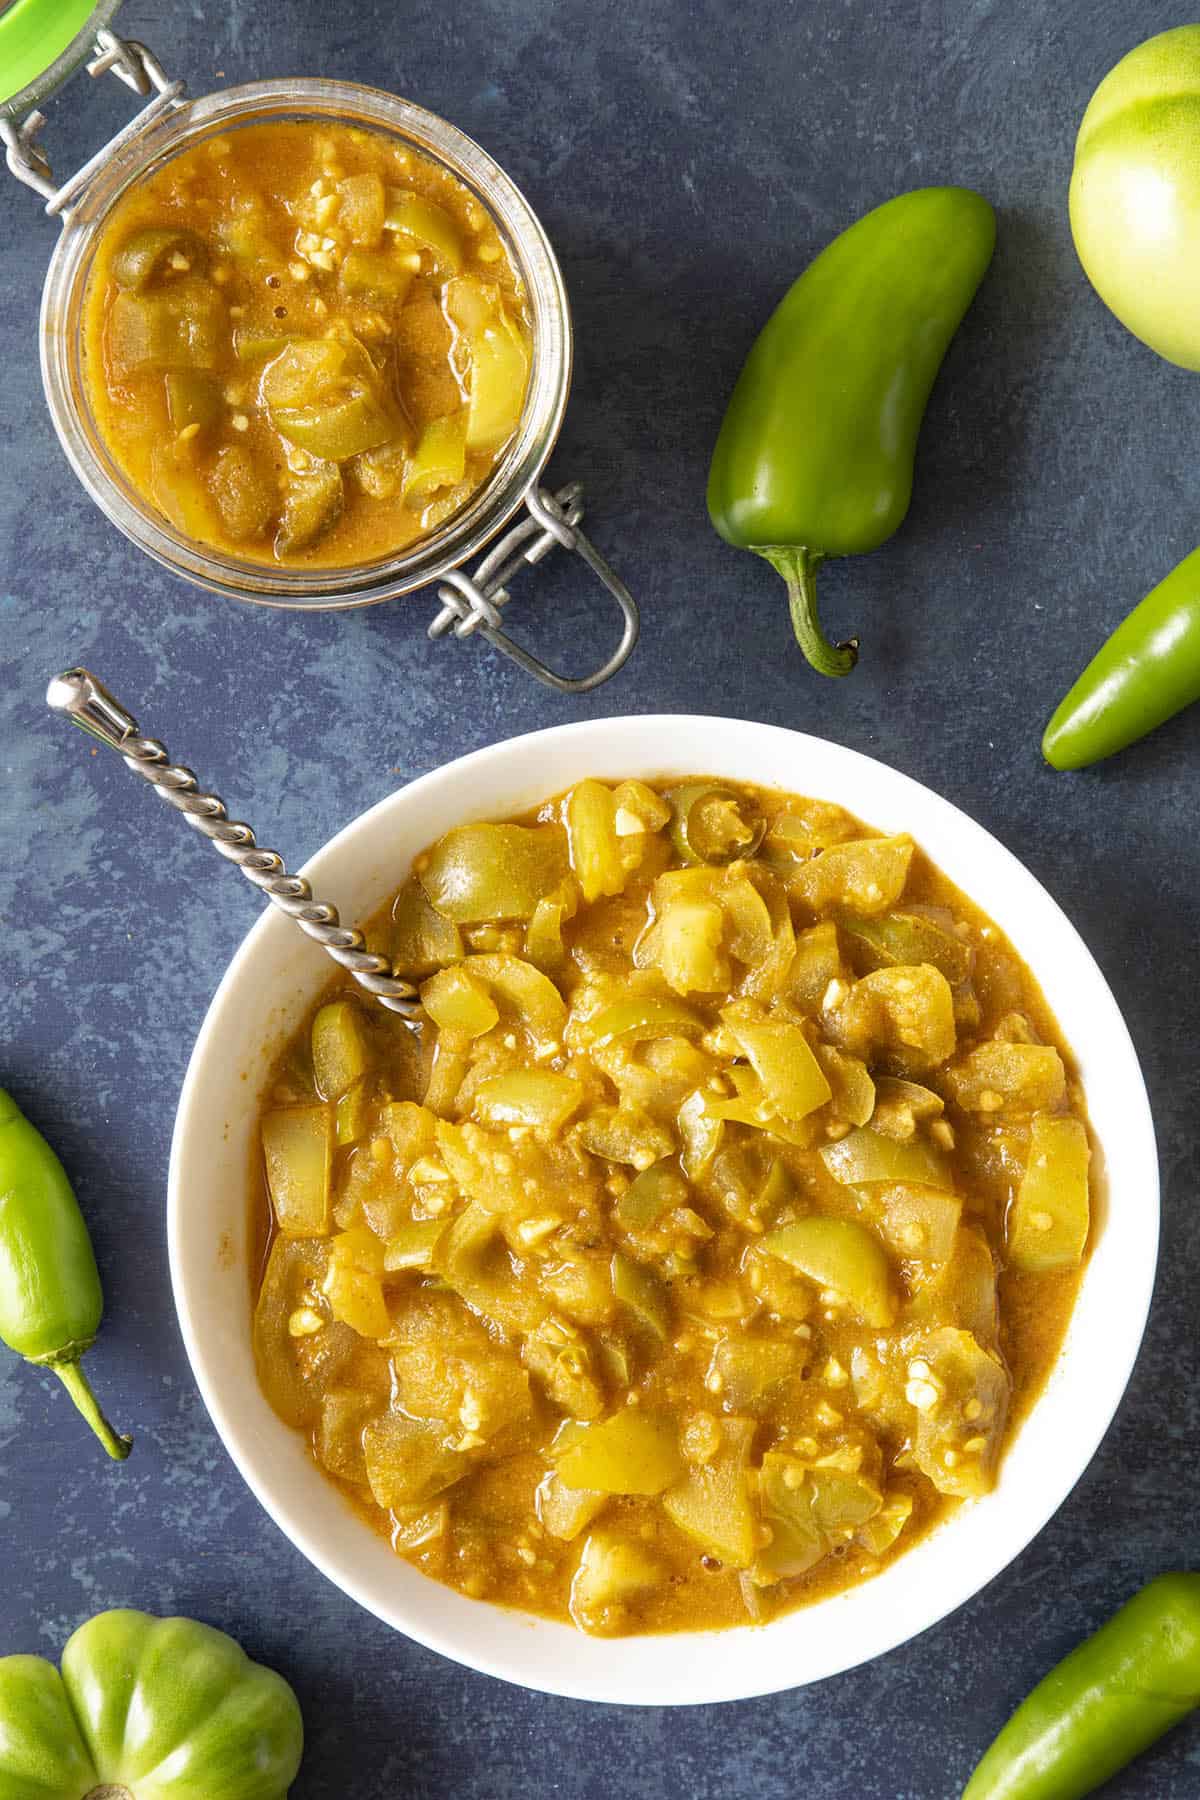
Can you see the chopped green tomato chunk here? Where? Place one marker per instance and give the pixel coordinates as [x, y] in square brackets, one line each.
[298, 1150]
[544, 946]
[866, 876]
[867, 1156]
[816, 963]
[407, 1462]
[1049, 1218]
[655, 1191]
[841, 1255]
[193, 398]
[413, 1245]
[313, 496]
[633, 1452]
[911, 938]
[341, 1051]
[531, 996]
[362, 207]
[426, 225]
[353, 1112]
[643, 1293]
[423, 939]
[537, 1097]
[959, 1393]
[712, 1503]
[439, 460]
[564, 1511]
[178, 327]
[1016, 1078]
[295, 1270]
[376, 275]
[782, 1058]
[353, 1282]
[643, 1017]
[457, 1002]
[908, 1012]
[701, 1133]
[597, 853]
[685, 942]
[483, 872]
[962, 1289]
[339, 430]
[920, 1222]
[613, 1570]
[498, 357]
[746, 1373]
[472, 1258]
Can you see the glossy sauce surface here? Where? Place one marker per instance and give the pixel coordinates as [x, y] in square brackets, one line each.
[710, 1245]
[305, 343]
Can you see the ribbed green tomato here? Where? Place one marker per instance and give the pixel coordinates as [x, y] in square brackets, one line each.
[146, 1709]
[1135, 193]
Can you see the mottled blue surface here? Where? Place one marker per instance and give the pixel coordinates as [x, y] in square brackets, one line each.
[687, 160]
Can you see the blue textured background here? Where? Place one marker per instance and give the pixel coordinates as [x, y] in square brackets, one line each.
[687, 159]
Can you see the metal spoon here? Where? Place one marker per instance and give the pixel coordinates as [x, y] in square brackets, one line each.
[88, 703]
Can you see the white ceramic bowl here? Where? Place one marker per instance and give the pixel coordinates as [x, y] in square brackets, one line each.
[210, 1156]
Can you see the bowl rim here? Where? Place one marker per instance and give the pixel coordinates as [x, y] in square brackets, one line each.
[724, 1679]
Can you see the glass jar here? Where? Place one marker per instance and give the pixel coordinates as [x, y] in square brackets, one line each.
[172, 123]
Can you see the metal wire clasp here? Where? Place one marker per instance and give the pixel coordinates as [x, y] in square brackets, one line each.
[131, 63]
[471, 603]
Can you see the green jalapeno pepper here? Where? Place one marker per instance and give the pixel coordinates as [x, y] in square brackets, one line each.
[712, 824]
[1106, 1703]
[50, 1299]
[815, 455]
[146, 1709]
[1148, 670]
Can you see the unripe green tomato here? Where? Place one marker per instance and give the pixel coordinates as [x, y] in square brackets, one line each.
[1135, 193]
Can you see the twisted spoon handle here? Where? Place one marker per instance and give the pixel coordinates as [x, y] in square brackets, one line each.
[88, 703]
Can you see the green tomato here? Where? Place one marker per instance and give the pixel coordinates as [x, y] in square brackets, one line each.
[146, 1709]
[1135, 193]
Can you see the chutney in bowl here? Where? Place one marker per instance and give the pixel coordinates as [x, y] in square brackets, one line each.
[215, 1256]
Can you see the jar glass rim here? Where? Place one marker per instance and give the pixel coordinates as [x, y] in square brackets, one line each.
[457, 539]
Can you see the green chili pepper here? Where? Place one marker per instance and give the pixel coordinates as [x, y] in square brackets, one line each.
[50, 1299]
[146, 1709]
[1105, 1704]
[815, 455]
[1147, 672]
[713, 824]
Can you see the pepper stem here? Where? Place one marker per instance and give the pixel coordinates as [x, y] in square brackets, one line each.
[77, 1385]
[798, 567]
